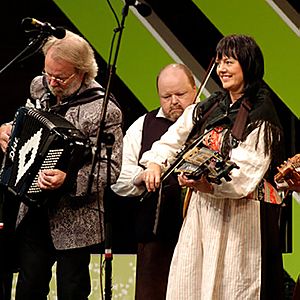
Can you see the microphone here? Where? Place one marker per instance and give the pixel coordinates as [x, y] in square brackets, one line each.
[58, 32]
[144, 9]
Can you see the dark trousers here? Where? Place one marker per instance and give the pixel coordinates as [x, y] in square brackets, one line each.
[5, 286]
[37, 256]
[272, 286]
[153, 264]
[8, 246]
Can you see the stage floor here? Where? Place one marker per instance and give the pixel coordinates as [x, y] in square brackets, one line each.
[123, 278]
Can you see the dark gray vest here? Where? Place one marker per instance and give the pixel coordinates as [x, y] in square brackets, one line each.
[169, 213]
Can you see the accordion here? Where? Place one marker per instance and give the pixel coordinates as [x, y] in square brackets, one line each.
[40, 140]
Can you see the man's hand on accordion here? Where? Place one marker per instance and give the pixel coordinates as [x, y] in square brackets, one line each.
[5, 131]
[51, 179]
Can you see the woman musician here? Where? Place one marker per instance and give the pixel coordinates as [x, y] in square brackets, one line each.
[228, 246]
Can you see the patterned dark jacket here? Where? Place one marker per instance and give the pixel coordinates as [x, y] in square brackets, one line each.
[74, 221]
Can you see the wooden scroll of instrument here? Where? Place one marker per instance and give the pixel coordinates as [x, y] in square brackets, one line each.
[288, 176]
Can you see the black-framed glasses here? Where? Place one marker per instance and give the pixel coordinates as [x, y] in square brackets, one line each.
[57, 79]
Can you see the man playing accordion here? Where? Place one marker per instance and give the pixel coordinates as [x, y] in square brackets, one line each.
[71, 220]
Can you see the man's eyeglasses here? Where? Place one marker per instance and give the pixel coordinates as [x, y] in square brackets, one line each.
[57, 79]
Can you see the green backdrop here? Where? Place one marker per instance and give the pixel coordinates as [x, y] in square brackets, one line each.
[141, 56]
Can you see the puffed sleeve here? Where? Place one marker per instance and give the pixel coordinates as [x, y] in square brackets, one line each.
[252, 163]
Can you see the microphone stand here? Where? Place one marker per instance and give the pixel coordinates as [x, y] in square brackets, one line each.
[40, 39]
[109, 141]
[103, 138]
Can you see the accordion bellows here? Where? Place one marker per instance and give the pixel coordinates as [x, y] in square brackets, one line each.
[40, 140]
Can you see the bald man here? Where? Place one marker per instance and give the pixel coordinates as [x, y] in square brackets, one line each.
[156, 237]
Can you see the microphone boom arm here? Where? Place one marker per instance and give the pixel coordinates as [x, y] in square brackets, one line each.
[39, 39]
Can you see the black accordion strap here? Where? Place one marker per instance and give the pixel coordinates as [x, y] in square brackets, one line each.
[87, 96]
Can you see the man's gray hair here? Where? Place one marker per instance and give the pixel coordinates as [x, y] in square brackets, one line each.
[75, 50]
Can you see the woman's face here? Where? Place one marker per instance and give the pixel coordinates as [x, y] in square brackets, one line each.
[231, 75]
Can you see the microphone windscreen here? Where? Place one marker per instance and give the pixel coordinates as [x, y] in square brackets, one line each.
[59, 32]
[27, 23]
[143, 9]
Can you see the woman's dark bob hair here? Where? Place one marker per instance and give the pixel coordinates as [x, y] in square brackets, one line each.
[244, 49]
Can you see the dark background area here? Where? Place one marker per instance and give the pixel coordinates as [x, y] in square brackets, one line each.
[295, 4]
[179, 16]
[15, 79]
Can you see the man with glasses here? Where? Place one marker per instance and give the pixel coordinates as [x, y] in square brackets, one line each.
[63, 229]
[59, 80]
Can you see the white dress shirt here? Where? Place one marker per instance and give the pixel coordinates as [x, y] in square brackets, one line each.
[130, 168]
